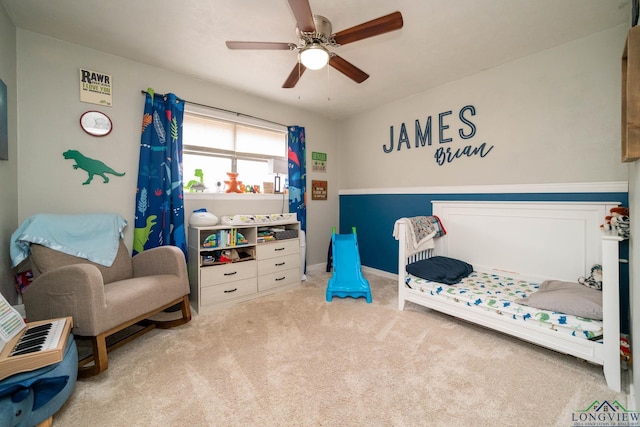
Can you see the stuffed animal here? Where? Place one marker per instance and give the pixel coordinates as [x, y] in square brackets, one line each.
[229, 255]
[595, 278]
[625, 349]
[233, 185]
[619, 210]
[618, 221]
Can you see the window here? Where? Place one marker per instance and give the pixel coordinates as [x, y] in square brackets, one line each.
[218, 142]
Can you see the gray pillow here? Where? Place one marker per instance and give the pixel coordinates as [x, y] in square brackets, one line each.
[566, 297]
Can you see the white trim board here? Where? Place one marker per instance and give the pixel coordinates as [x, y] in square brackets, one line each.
[577, 187]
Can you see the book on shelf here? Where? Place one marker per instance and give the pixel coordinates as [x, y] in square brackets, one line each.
[224, 238]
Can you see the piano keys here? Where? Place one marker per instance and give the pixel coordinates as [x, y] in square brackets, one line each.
[38, 345]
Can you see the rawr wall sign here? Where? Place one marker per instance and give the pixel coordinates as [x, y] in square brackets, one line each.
[95, 87]
[440, 132]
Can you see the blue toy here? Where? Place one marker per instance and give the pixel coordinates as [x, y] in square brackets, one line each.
[30, 398]
[211, 241]
[347, 279]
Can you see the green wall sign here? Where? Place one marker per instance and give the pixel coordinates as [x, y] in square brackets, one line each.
[318, 161]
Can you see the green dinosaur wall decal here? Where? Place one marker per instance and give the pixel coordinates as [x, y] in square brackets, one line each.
[141, 235]
[91, 166]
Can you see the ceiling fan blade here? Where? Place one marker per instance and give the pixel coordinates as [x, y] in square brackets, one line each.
[304, 17]
[372, 28]
[259, 45]
[348, 69]
[294, 76]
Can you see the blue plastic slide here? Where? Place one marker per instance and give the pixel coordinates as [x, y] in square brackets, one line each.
[347, 279]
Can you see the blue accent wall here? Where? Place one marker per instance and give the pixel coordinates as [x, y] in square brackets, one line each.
[374, 215]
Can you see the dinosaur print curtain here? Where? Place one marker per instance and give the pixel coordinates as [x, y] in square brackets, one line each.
[159, 216]
[297, 175]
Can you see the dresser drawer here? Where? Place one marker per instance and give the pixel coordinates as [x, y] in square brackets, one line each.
[278, 248]
[216, 274]
[279, 278]
[219, 293]
[271, 265]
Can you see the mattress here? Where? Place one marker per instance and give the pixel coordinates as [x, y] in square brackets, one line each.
[496, 294]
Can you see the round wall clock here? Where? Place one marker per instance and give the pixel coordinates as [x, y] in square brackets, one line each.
[96, 123]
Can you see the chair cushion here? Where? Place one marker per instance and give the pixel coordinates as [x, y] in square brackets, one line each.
[44, 259]
[128, 299]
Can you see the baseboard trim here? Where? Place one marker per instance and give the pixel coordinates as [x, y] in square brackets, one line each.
[378, 272]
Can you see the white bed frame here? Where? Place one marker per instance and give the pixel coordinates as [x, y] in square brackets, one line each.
[535, 241]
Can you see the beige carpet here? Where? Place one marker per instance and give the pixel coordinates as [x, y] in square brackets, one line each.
[295, 360]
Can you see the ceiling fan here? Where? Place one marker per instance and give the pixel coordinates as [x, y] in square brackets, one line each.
[315, 35]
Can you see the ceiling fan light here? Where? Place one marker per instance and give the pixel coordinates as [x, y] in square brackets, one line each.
[314, 57]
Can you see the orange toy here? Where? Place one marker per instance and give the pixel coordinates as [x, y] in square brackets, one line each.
[232, 184]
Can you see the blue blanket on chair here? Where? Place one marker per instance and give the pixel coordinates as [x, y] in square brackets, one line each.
[95, 237]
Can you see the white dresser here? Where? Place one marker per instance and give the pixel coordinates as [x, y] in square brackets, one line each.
[229, 264]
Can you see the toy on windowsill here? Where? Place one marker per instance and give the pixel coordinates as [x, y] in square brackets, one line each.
[233, 186]
[251, 188]
[194, 185]
[618, 221]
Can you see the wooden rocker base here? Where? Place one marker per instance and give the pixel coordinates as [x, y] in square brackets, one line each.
[101, 346]
[46, 423]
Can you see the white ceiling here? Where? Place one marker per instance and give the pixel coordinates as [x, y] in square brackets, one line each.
[441, 41]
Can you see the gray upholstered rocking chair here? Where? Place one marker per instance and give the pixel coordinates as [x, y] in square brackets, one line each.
[105, 300]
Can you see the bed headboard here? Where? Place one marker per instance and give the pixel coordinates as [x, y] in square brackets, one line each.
[542, 240]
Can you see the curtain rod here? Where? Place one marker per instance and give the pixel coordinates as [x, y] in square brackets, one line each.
[220, 109]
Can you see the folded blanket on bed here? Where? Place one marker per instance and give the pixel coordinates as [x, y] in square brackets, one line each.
[440, 269]
[91, 236]
[421, 231]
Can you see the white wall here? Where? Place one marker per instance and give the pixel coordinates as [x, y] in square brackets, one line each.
[49, 108]
[550, 117]
[8, 168]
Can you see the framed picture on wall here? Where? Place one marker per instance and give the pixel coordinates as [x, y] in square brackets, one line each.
[631, 97]
[4, 131]
[95, 87]
[318, 190]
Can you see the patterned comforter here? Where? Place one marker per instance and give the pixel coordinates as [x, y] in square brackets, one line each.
[497, 293]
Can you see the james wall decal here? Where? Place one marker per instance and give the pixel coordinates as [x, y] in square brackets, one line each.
[424, 137]
[91, 166]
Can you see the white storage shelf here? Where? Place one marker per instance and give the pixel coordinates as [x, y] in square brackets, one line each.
[262, 268]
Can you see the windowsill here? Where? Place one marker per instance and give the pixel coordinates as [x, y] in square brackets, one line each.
[234, 196]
